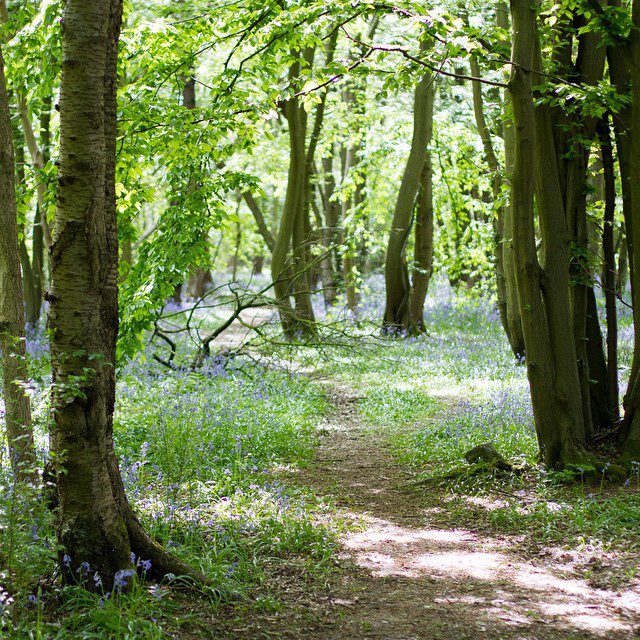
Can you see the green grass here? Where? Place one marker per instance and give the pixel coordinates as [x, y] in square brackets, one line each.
[205, 460]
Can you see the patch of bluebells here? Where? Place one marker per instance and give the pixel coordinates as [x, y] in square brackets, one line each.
[213, 423]
[504, 417]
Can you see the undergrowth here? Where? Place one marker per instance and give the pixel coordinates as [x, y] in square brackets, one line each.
[204, 457]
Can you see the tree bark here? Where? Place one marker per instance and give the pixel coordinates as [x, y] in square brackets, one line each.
[83, 316]
[349, 273]
[291, 277]
[423, 242]
[543, 292]
[12, 329]
[503, 279]
[95, 521]
[329, 260]
[261, 223]
[396, 319]
[628, 143]
[200, 278]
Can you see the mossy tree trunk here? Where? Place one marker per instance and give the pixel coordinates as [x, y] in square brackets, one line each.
[83, 316]
[95, 521]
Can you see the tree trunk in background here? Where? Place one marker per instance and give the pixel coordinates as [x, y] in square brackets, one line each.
[397, 315]
[504, 280]
[12, 336]
[423, 246]
[38, 240]
[261, 223]
[31, 305]
[622, 271]
[349, 275]
[201, 276]
[291, 276]
[514, 319]
[329, 232]
[33, 266]
[609, 272]
[543, 292]
[35, 275]
[628, 143]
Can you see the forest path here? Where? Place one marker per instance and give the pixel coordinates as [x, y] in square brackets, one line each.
[405, 575]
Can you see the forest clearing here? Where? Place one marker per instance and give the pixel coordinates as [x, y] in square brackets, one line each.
[319, 320]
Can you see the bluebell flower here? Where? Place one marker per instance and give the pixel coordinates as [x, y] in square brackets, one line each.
[120, 579]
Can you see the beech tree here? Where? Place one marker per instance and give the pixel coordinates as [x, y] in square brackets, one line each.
[567, 368]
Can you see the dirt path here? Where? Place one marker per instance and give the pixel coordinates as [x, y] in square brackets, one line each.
[406, 576]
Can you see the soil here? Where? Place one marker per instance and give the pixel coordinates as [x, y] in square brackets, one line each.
[404, 574]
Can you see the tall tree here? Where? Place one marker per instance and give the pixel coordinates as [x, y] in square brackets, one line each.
[623, 56]
[200, 278]
[95, 521]
[397, 318]
[12, 330]
[423, 243]
[543, 287]
[505, 279]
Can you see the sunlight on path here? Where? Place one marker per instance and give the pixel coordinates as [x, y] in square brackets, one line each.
[408, 579]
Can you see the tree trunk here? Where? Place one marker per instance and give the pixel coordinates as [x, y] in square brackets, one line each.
[630, 148]
[83, 316]
[514, 321]
[291, 277]
[330, 232]
[397, 315]
[261, 223]
[622, 271]
[95, 521]
[543, 292]
[31, 305]
[609, 273]
[349, 274]
[200, 277]
[423, 245]
[12, 335]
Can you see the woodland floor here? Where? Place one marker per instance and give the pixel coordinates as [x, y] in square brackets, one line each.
[404, 574]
